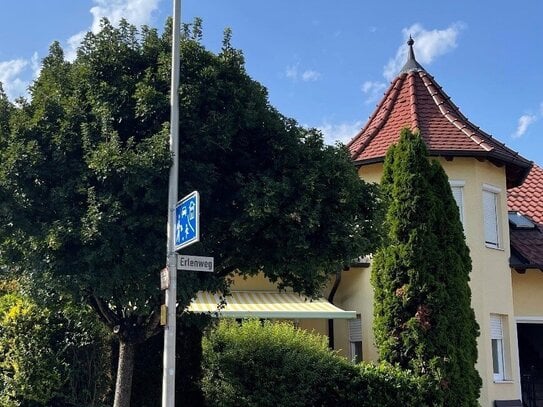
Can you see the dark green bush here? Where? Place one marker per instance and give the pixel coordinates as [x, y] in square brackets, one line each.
[274, 364]
[389, 386]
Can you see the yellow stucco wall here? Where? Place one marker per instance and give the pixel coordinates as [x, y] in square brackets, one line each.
[528, 295]
[490, 278]
[355, 293]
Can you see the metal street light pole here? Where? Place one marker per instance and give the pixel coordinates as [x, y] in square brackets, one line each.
[168, 378]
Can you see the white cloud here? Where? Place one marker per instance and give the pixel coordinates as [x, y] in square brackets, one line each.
[523, 123]
[136, 12]
[292, 72]
[10, 76]
[373, 90]
[73, 43]
[310, 76]
[428, 46]
[342, 132]
[35, 64]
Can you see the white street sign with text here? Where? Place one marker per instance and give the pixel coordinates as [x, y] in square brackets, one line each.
[195, 263]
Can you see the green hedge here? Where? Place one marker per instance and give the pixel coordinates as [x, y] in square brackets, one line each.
[274, 364]
[388, 386]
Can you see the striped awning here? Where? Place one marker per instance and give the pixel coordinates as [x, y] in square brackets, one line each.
[271, 305]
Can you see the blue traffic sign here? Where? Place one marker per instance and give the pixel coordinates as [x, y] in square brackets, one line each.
[187, 224]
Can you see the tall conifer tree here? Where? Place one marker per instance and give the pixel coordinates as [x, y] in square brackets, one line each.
[423, 315]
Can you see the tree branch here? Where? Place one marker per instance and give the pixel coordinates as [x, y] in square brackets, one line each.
[152, 325]
[225, 271]
[103, 311]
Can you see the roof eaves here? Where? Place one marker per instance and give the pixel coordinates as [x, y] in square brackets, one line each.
[519, 262]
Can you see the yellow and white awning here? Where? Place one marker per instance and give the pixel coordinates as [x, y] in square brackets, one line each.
[270, 305]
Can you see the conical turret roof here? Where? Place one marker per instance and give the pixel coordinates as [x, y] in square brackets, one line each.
[416, 101]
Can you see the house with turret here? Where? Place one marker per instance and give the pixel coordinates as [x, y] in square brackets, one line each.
[500, 199]
[481, 171]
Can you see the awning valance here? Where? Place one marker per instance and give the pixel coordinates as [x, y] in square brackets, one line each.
[261, 304]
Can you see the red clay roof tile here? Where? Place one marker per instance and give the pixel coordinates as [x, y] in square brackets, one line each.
[527, 200]
[416, 101]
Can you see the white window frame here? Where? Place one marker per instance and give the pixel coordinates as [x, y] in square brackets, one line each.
[355, 338]
[458, 186]
[497, 343]
[491, 220]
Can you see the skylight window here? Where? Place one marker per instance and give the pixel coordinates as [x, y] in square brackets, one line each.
[520, 221]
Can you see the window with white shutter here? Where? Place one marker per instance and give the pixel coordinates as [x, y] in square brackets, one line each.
[490, 213]
[355, 339]
[457, 188]
[498, 349]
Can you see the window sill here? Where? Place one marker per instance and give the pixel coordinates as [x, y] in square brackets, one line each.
[501, 249]
[503, 381]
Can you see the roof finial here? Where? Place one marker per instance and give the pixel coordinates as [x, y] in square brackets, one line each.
[411, 63]
[410, 42]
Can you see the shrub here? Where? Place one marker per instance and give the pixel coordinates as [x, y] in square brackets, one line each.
[385, 385]
[270, 364]
[28, 367]
[274, 364]
[49, 356]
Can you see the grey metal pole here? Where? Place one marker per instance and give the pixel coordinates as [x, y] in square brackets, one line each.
[168, 377]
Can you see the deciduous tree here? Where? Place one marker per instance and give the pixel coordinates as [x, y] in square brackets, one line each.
[85, 167]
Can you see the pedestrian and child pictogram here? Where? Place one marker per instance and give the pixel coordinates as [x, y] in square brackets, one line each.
[187, 225]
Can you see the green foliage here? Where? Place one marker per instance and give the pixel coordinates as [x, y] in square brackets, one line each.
[268, 364]
[52, 354]
[385, 385]
[84, 173]
[423, 316]
[274, 364]
[86, 167]
[28, 369]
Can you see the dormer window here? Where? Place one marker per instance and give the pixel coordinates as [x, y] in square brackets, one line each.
[519, 221]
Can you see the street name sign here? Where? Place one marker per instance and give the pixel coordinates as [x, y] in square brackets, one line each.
[187, 221]
[195, 263]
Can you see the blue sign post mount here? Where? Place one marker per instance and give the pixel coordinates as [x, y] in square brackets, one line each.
[187, 221]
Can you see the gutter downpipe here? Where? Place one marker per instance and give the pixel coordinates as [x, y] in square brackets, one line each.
[331, 301]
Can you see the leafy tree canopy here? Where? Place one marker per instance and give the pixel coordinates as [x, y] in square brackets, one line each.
[84, 172]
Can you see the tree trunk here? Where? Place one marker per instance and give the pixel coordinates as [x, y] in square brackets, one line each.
[125, 370]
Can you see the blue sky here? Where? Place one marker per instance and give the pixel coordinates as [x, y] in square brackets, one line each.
[327, 63]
